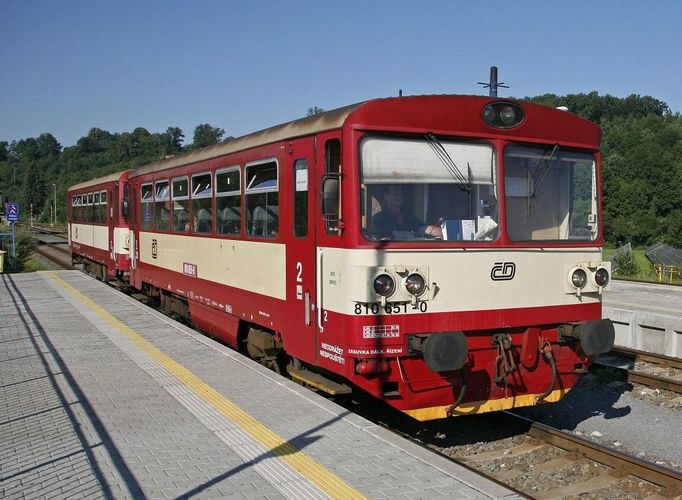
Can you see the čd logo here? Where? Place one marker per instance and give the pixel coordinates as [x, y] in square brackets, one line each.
[503, 271]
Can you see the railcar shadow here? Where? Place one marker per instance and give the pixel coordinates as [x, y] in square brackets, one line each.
[589, 398]
[592, 396]
[290, 447]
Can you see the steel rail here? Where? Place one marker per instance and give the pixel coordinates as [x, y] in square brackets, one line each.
[647, 357]
[648, 379]
[622, 463]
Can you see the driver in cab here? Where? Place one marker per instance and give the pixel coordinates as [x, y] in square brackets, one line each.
[394, 223]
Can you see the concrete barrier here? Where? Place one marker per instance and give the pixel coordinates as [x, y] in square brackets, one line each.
[647, 317]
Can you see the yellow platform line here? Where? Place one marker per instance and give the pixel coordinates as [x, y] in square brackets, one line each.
[307, 467]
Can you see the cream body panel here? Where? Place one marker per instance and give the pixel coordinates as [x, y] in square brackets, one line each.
[101, 237]
[92, 236]
[121, 240]
[256, 266]
[462, 278]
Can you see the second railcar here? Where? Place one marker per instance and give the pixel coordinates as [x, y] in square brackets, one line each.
[98, 226]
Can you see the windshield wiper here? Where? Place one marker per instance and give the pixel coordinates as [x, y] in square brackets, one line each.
[540, 176]
[543, 170]
[463, 182]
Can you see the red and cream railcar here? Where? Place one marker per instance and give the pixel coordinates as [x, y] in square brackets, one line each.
[278, 243]
[98, 226]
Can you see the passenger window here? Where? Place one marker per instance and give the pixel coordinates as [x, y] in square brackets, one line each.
[103, 203]
[97, 218]
[89, 209]
[262, 200]
[228, 201]
[162, 205]
[301, 198]
[147, 200]
[102, 208]
[180, 205]
[202, 213]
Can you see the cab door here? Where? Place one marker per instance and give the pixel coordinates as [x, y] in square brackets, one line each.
[301, 336]
[109, 217]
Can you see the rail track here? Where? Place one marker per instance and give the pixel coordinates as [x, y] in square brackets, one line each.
[54, 249]
[536, 460]
[645, 368]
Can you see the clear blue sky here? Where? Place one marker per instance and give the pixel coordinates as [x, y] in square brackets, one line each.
[68, 66]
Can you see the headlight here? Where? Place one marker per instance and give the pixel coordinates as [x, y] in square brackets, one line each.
[415, 284]
[489, 114]
[579, 278]
[384, 285]
[601, 277]
[507, 115]
[502, 115]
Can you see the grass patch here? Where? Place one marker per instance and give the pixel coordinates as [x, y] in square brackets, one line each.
[32, 265]
[644, 269]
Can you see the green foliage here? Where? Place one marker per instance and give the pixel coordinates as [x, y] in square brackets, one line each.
[624, 264]
[26, 243]
[29, 167]
[206, 135]
[35, 193]
[599, 109]
[4, 150]
[314, 111]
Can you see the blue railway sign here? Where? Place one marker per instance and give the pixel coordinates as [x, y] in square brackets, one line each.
[12, 212]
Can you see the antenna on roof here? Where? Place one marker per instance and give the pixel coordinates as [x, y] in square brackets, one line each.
[493, 85]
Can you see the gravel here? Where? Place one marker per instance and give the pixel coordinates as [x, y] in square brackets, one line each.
[613, 415]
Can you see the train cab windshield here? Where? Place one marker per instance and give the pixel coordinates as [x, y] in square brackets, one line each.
[427, 189]
[550, 194]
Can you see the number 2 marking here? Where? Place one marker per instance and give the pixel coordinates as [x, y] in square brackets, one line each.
[299, 269]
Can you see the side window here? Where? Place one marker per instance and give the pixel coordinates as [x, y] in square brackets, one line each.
[262, 200]
[202, 213]
[97, 213]
[332, 162]
[301, 198]
[103, 207]
[228, 201]
[180, 205]
[162, 205]
[89, 217]
[146, 202]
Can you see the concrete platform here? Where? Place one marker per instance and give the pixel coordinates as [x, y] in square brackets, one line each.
[646, 316]
[104, 397]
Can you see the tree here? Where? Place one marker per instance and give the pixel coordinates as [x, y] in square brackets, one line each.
[206, 135]
[314, 111]
[96, 141]
[48, 145]
[172, 140]
[4, 151]
[35, 192]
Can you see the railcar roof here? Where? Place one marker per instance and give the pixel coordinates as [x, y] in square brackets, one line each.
[297, 128]
[100, 180]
